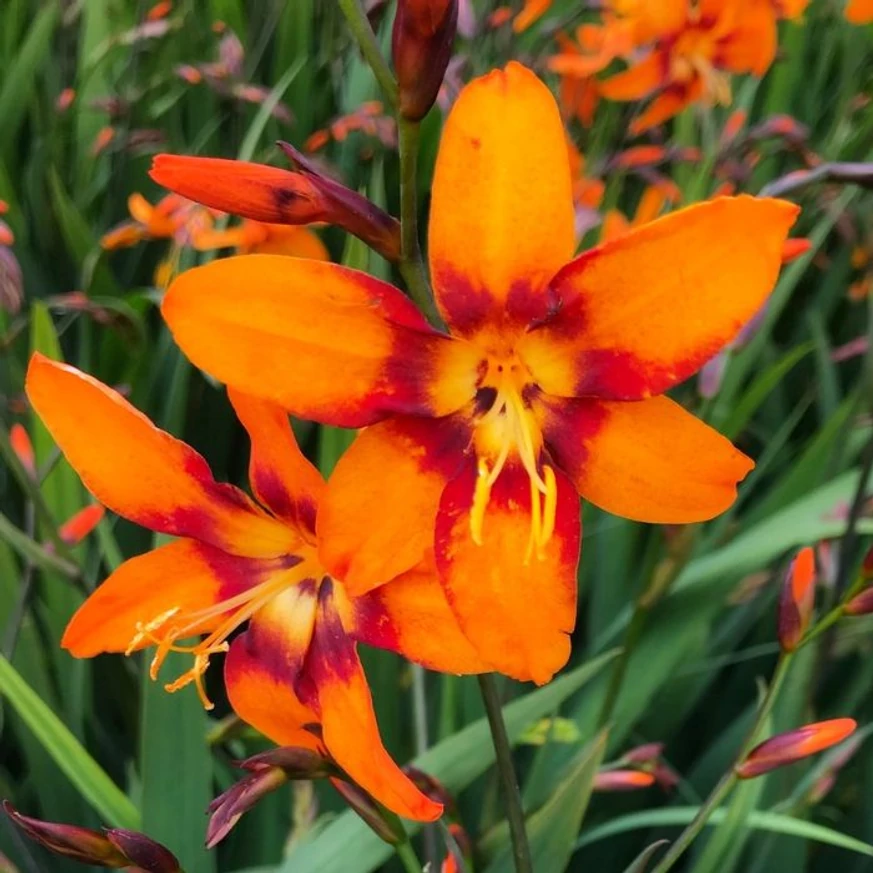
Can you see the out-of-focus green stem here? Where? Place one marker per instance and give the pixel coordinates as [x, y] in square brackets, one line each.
[511, 793]
[33, 551]
[411, 264]
[31, 488]
[727, 782]
[359, 25]
[407, 855]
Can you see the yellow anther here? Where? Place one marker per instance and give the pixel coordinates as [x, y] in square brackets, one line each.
[145, 631]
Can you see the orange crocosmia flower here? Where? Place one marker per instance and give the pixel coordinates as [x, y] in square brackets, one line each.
[294, 674]
[859, 11]
[695, 48]
[166, 219]
[257, 237]
[546, 385]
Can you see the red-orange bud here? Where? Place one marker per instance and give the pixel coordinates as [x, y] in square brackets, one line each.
[797, 599]
[622, 780]
[860, 604]
[276, 196]
[794, 746]
[381, 821]
[75, 529]
[421, 46]
[23, 448]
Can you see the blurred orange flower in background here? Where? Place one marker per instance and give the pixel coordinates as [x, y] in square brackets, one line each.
[479, 440]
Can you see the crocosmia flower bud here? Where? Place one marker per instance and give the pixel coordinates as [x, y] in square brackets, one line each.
[421, 45]
[797, 599]
[794, 746]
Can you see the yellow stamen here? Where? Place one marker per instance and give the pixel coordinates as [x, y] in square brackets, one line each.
[508, 425]
[162, 632]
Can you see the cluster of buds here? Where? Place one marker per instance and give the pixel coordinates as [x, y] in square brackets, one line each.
[303, 195]
[113, 847]
[640, 767]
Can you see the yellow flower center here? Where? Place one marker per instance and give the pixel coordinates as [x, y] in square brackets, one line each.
[692, 57]
[223, 618]
[508, 428]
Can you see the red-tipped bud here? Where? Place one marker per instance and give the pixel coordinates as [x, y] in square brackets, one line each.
[421, 46]
[73, 531]
[23, 448]
[860, 604]
[793, 248]
[797, 599]
[381, 821]
[794, 746]
[276, 196]
[648, 753]
[267, 772]
[433, 788]
[112, 848]
[622, 780]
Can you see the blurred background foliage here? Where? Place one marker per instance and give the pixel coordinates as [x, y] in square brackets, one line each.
[96, 743]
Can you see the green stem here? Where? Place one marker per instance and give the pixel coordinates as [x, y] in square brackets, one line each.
[727, 782]
[631, 638]
[32, 551]
[359, 25]
[411, 265]
[407, 855]
[511, 794]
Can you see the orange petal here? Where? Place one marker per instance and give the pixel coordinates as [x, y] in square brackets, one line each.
[336, 680]
[184, 575]
[281, 478]
[501, 215]
[144, 473]
[263, 667]
[637, 81]
[411, 616]
[751, 46]
[517, 610]
[648, 460]
[645, 311]
[377, 517]
[284, 328]
[533, 9]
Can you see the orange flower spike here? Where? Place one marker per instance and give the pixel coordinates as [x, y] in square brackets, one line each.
[797, 600]
[544, 388]
[272, 195]
[859, 11]
[794, 746]
[23, 448]
[421, 45]
[244, 562]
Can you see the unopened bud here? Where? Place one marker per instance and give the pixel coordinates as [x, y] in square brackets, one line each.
[645, 754]
[276, 196]
[622, 780]
[867, 564]
[267, 772]
[432, 787]
[793, 248]
[421, 45]
[797, 600]
[23, 448]
[113, 848]
[381, 821]
[860, 604]
[75, 529]
[795, 745]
